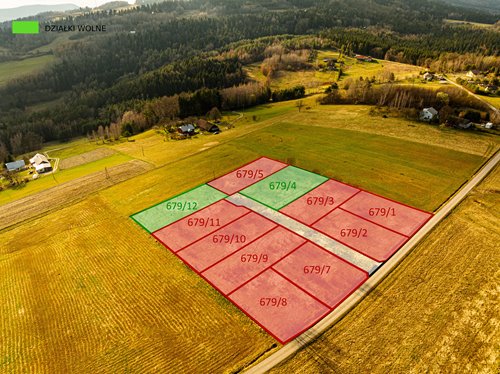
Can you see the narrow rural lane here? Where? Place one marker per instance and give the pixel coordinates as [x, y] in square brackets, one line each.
[491, 106]
[307, 337]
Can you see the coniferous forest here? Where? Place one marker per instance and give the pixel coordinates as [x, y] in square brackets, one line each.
[196, 49]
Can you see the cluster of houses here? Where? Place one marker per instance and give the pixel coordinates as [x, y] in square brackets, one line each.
[432, 115]
[189, 129]
[429, 77]
[475, 75]
[39, 162]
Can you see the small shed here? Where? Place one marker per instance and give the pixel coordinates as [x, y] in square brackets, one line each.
[488, 125]
[208, 126]
[364, 58]
[43, 168]
[186, 130]
[428, 76]
[428, 114]
[15, 165]
[463, 123]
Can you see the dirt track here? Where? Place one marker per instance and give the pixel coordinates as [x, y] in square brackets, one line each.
[69, 192]
[87, 157]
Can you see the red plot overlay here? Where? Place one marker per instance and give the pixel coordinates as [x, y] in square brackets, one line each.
[225, 241]
[395, 216]
[322, 274]
[278, 306]
[282, 281]
[364, 236]
[252, 259]
[246, 175]
[318, 202]
[183, 232]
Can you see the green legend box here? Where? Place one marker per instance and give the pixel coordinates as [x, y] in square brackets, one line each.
[25, 27]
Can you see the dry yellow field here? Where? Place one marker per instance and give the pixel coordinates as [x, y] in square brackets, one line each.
[85, 158]
[438, 312]
[100, 295]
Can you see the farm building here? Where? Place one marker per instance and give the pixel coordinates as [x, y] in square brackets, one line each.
[207, 126]
[364, 58]
[41, 163]
[186, 130]
[428, 114]
[459, 123]
[491, 88]
[488, 125]
[428, 76]
[474, 74]
[463, 123]
[15, 165]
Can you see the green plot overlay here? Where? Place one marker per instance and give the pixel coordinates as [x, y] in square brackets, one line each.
[283, 187]
[180, 206]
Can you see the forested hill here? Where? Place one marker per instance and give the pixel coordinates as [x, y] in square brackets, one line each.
[485, 5]
[174, 46]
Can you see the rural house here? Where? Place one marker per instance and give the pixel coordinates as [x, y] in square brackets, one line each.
[428, 76]
[491, 88]
[208, 126]
[474, 74]
[428, 114]
[186, 130]
[15, 165]
[364, 58]
[40, 163]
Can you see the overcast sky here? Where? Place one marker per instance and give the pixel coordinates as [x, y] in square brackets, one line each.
[4, 4]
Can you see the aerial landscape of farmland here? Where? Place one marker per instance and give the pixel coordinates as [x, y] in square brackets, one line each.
[237, 186]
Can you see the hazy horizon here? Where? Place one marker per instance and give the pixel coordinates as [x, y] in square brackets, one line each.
[9, 4]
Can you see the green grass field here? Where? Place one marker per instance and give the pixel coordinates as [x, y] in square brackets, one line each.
[315, 80]
[494, 100]
[283, 187]
[15, 69]
[177, 207]
[48, 181]
[410, 172]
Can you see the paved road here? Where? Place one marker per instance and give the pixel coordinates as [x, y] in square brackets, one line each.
[295, 345]
[491, 106]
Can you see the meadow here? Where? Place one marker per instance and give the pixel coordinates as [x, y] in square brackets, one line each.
[315, 80]
[437, 312]
[15, 69]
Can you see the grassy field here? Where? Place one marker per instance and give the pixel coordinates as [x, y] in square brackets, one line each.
[15, 69]
[315, 80]
[471, 24]
[62, 176]
[494, 100]
[148, 146]
[405, 171]
[437, 312]
[109, 298]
